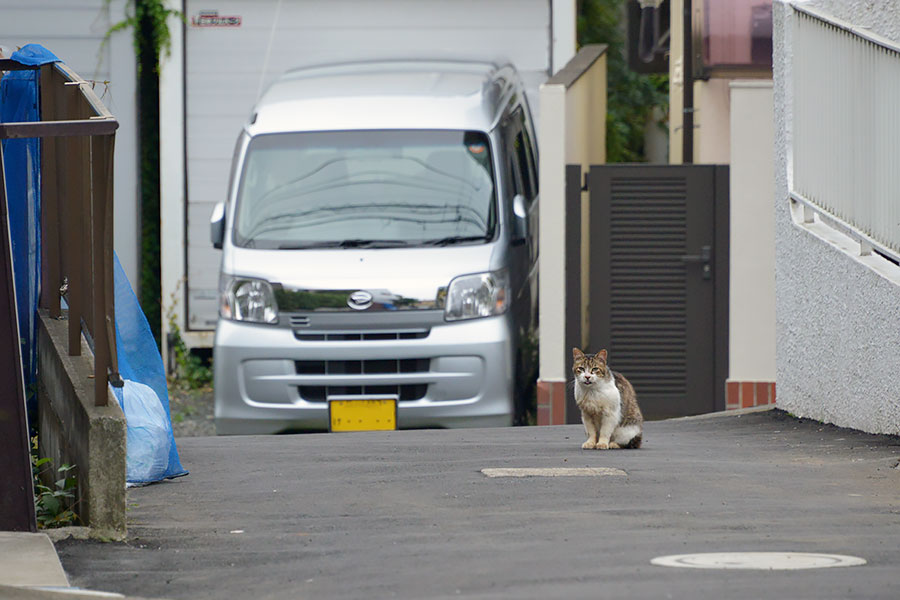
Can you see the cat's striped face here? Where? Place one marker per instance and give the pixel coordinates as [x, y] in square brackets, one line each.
[589, 368]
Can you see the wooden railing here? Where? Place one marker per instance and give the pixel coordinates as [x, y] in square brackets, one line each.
[78, 138]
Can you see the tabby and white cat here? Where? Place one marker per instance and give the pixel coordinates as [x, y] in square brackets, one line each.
[608, 404]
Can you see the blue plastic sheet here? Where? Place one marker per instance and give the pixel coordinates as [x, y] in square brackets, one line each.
[140, 361]
[22, 159]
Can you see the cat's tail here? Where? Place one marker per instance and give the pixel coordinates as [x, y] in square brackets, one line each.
[635, 442]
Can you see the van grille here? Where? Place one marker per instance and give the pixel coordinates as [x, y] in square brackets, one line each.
[299, 321]
[320, 393]
[366, 336]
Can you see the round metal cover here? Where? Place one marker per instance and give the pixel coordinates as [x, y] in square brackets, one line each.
[766, 561]
[360, 300]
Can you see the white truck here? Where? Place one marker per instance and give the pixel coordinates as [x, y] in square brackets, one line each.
[227, 53]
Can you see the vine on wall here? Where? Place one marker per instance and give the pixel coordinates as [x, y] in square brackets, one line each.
[149, 21]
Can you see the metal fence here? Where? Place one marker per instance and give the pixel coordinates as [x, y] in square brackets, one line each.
[78, 136]
[846, 138]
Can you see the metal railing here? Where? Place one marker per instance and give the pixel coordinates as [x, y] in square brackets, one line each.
[846, 138]
[78, 137]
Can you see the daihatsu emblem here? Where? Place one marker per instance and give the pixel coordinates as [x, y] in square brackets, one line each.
[360, 300]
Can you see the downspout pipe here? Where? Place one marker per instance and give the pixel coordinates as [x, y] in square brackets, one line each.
[687, 132]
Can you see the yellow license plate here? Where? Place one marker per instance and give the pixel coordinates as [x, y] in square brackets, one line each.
[378, 414]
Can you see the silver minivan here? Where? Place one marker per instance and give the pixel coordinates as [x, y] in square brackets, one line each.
[379, 252]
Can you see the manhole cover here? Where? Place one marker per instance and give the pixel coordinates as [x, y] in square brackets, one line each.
[766, 561]
[554, 472]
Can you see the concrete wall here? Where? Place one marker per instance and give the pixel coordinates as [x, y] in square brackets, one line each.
[572, 131]
[752, 266]
[836, 312]
[73, 431]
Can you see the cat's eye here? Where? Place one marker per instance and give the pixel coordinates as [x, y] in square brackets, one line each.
[595, 370]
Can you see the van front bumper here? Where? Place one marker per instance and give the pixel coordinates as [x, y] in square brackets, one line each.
[271, 379]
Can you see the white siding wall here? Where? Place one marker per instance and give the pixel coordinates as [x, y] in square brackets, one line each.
[227, 67]
[73, 30]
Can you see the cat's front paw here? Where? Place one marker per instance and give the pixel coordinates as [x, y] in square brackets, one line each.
[588, 445]
[601, 445]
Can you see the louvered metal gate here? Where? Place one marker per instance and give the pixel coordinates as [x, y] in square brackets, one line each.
[659, 282]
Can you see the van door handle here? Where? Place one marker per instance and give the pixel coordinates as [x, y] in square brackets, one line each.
[704, 257]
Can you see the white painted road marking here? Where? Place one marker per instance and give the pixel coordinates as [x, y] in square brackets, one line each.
[767, 561]
[555, 472]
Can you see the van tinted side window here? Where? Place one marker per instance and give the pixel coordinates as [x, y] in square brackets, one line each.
[524, 157]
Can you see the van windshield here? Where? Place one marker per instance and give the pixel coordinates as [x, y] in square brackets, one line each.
[356, 189]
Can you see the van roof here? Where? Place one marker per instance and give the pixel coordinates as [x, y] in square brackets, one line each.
[387, 95]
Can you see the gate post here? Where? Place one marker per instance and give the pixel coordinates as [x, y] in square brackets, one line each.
[573, 314]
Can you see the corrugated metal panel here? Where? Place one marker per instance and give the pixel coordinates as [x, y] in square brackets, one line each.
[846, 125]
[224, 74]
[647, 288]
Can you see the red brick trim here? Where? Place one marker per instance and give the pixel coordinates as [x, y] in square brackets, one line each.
[551, 402]
[747, 394]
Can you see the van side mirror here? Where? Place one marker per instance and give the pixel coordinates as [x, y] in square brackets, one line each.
[217, 225]
[520, 220]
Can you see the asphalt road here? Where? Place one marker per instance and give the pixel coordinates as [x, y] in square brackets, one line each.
[410, 515]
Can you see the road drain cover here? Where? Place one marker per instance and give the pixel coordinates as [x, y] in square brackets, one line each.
[766, 561]
[554, 472]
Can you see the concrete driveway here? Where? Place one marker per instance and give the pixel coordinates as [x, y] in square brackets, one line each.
[411, 515]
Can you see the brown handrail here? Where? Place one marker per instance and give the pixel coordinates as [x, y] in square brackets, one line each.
[78, 134]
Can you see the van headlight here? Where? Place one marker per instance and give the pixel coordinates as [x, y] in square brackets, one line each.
[475, 296]
[250, 300]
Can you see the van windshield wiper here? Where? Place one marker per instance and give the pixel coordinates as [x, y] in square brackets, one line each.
[457, 239]
[351, 243]
[359, 243]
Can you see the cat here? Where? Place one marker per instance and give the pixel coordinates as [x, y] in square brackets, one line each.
[608, 404]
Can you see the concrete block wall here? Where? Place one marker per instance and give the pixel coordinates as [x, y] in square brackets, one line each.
[836, 312]
[73, 431]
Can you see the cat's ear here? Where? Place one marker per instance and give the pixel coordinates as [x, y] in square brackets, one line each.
[577, 354]
[602, 355]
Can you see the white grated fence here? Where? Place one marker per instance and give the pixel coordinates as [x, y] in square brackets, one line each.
[846, 115]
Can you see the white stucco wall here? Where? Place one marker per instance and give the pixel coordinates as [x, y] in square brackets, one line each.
[837, 314]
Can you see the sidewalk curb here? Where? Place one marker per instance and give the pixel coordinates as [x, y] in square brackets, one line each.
[737, 412]
[29, 560]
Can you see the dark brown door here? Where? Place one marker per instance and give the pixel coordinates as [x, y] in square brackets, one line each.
[659, 282]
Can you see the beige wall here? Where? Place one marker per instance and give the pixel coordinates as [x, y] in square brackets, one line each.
[752, 298]
[712, 122]
[711, 105]
[676, 82]
[572, 131]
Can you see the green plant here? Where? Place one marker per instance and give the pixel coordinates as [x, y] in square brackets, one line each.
[191, 372]
[53, 506]
[631, 97]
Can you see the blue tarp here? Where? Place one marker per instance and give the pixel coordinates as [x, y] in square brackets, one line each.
[140, 361]
[22, 159]
[145, 399]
